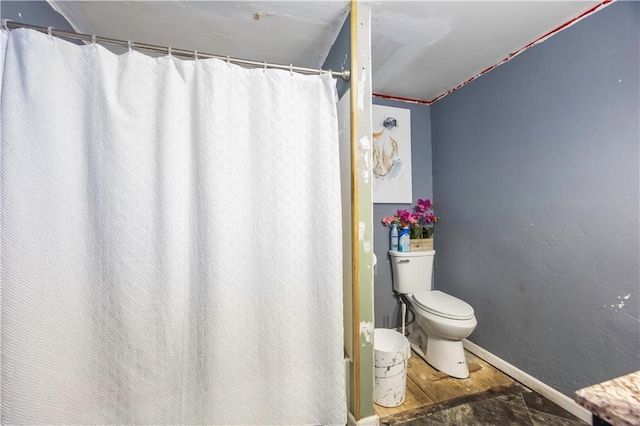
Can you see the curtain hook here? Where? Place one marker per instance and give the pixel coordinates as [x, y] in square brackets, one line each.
[291, 69]
[49, 29]
[93, 40]
[228, 61]
[169, 50]
[4, 24]
[265, 67]
[195, 55]
[130, 45]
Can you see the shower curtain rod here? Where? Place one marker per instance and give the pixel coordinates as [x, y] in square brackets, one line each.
[11, 25]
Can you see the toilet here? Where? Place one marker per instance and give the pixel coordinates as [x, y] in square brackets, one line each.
[443, 320]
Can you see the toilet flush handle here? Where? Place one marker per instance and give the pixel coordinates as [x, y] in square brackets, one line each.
[404, 261]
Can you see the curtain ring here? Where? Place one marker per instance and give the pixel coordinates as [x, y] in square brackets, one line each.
[228, 61]
[4, 24]
[195, 55]
[130, 45]
[291, 69]
[93, 39]
[169, 50]
[265, 67]
[49, 32]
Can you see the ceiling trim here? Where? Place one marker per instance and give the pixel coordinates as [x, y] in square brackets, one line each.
[399, 98]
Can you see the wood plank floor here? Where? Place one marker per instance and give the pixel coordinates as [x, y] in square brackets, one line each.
[429, 390]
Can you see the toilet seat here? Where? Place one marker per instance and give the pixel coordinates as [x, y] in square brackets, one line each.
[441, 304]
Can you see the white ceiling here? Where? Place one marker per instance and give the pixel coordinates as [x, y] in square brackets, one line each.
[420, 49]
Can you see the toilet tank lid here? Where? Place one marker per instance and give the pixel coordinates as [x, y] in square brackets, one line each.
[420, 253]
[444, 305]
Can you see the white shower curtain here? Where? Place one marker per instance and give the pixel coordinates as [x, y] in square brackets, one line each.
[171, 242]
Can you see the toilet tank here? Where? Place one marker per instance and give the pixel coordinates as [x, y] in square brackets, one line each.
[412, 271]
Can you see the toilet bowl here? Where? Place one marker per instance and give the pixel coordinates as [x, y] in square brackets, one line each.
[444, 319]
[444, 334]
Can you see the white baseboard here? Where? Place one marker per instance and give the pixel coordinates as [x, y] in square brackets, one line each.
[529, 381]
[367, 421]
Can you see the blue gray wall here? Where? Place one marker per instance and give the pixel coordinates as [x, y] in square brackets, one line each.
[339, 56]
[387, 309]
[536, 178]
[36, 12]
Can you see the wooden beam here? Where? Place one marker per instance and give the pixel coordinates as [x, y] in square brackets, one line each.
[355, 213]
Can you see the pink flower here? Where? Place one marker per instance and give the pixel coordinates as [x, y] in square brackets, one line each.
[388, 220]
[423, 204]
[404, 215]
[420, 218]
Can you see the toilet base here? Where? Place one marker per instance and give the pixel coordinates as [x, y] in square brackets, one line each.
[444, 355]
[449, 366]
[447, 356]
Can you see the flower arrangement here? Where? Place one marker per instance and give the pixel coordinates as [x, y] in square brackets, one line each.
[420, 221]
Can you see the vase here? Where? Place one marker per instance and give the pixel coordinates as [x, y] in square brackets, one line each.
[421, 244]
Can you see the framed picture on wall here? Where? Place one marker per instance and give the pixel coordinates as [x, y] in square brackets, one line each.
[391, 155]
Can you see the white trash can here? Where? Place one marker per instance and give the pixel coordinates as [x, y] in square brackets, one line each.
[391, 353]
